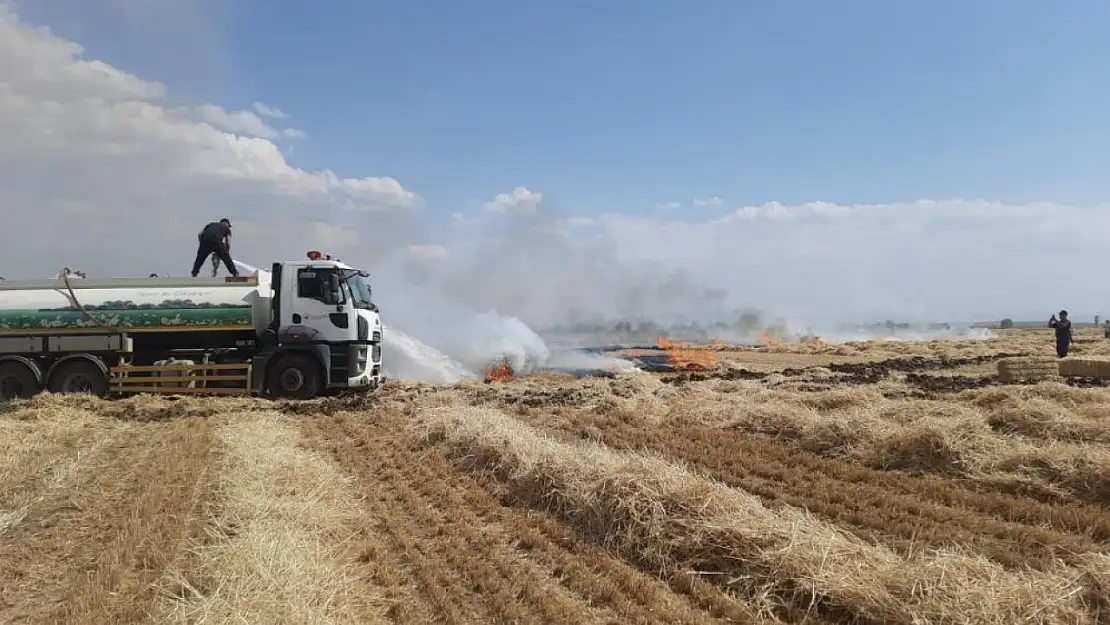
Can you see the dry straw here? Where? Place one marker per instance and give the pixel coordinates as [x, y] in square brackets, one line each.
[671, 519]
[1085, 367]
[274, 555]
[1027, 368]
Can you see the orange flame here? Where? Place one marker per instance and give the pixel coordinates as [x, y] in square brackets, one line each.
[684, 356]
[500, 371]
[816, 341]
[767, 339]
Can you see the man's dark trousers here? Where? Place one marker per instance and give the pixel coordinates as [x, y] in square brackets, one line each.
[207, 246]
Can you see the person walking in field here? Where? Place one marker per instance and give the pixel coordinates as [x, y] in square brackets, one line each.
[1063, 333]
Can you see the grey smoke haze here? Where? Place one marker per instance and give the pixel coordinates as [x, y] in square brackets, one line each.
[530, 267]
[114, 173]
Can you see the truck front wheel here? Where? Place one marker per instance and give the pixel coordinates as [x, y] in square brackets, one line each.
[295, 377]
[78, 376]
[16, 381]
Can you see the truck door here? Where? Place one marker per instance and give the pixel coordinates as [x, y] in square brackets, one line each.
[318, 300]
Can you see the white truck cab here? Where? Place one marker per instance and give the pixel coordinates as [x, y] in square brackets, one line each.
[324, 306]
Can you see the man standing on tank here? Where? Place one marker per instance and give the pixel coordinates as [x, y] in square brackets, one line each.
[213, 240]
[1063, 333]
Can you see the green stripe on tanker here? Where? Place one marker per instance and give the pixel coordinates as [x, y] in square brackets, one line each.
[124, 317]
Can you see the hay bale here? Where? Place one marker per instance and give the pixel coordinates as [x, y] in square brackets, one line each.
[1028, 368]
[1085, 367]
[174, 374]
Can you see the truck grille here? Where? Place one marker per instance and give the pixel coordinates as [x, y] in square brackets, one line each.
[363, 352]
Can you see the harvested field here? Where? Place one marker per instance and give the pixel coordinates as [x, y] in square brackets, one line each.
[859, 483]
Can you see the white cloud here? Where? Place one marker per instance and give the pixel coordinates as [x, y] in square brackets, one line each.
[708, 201]
[98, 172]
[269, 111]
[520, 200]
[929, 259]
[238, 122]
[428, 251]
[668, 206]
[580, 222]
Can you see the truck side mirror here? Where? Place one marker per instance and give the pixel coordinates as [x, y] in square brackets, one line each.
[334, 292]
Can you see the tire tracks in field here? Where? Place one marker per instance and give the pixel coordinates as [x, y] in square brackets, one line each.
[93, 552]
[280, 521]
[904, 512]
[530, 567]
[505, 590]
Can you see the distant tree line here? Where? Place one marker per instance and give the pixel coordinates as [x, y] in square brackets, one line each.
[129, 305]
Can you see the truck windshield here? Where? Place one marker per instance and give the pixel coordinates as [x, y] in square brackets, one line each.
[360, 289]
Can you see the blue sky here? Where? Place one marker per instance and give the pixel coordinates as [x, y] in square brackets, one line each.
[620, 105]
[817, 127]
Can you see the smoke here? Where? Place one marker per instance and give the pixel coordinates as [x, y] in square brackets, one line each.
[525, 290]
[407, 358]
[430, 323]
[506, 285]
[431, 338]
[534, 268]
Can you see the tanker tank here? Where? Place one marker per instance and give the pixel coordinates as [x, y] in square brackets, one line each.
[136, 304]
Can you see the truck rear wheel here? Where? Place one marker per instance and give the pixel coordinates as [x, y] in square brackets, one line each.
[294, 376]
[17, 381]
[78, 376]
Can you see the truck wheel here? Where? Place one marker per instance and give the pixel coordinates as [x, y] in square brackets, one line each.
[16, 381]
[78, 376]
[295, 377]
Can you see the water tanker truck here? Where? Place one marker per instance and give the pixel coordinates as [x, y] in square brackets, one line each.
[302, 329]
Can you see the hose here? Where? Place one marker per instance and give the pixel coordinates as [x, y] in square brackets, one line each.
[78, 306]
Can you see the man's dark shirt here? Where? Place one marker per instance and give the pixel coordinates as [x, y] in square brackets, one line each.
[215, 232]
[1063, 329]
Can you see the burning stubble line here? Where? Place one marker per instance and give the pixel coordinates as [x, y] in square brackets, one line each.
[274, 554]
[650, 509]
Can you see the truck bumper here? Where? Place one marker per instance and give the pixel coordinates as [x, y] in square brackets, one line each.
[366, 359]
[364, 382]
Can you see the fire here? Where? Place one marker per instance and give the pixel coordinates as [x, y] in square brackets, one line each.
[767, 339]
[500, 371]
[815, 341]
[684, 356]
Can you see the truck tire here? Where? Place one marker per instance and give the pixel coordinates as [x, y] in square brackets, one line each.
[294, 376]
[17, 381]
[78, 376]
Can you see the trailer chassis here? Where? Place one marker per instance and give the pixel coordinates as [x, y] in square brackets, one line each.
[120, 363]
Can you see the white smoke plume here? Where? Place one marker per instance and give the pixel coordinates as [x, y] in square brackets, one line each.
[494, 284]
[407, 358]
[428, 322]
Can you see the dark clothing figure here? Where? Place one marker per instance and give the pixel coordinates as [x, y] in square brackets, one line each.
[213, 240]
[1063, 333]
